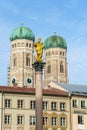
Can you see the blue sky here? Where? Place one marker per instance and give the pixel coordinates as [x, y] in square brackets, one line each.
[68, 18]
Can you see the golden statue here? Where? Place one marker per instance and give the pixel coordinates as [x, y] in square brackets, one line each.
[39, 50]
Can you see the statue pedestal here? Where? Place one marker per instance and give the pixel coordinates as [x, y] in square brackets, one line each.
[38, 66]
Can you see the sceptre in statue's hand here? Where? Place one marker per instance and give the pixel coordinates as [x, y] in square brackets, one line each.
[39, 50]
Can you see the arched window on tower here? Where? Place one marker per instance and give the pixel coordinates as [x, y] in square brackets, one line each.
[27, 60]
[49, 69]
[14, 61]
[61, 68]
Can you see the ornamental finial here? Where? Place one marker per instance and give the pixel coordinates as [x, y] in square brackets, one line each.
[54, 33]
[22, 23]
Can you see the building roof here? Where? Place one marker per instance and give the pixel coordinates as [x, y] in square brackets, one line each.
[22, 33]
[73, 88]
[25, 90]
[54, 42]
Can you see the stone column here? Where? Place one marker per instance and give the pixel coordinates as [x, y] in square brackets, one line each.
[38, 66]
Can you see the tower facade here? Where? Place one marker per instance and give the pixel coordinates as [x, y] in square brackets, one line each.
[21, 58]
[55, 49]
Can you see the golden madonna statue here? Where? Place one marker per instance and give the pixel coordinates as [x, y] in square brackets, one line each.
[39, 50]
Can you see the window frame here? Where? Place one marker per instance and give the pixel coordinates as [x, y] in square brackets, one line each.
[80, 119]
[32, 120]
[7, 119]
[54, 121]
[54, 106]
[26, 44]
[15, 61]
[27, 60]
[62, 121]
[61, 68]
[7, 103]
[62, 106]
[83, 104]
[49, 69]
[20, 104]
[20, 120]
[74, 103]
[32, 104]
[45, 120]
[45, 105]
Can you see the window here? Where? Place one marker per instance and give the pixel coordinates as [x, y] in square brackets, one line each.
[18, 44]
[29, 45]
[20, 120]
[74, 103]
[7, 119]
[46, 53]
[62, 121]
[32, 104]
[27, 60]
[53, 121]
[12, 46]
[32, 120]
[60, 52]
[49, 69]
[45, 105]
[14, 61]
[63, 53]
[53, 105]
[20, 103]
[45, 120]
[62, 106]
[61, 68]
[22, 44]
[83, 105]
[26, 44]
[56, 52]
[80, 119]
[52, 52]
[7, 103]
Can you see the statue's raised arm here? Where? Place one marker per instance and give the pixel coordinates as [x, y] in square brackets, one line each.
[39, 50]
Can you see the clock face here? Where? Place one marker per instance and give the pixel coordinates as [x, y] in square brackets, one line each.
[29, 80]
[13, 80]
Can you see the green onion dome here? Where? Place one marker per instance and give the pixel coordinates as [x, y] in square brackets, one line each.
[54, 42]
[22, 33]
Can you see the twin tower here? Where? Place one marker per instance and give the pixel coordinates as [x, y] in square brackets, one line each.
[22, 57]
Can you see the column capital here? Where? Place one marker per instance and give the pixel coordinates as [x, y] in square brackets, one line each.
[38, 66]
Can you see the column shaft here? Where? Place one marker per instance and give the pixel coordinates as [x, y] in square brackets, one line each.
[39, 100]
